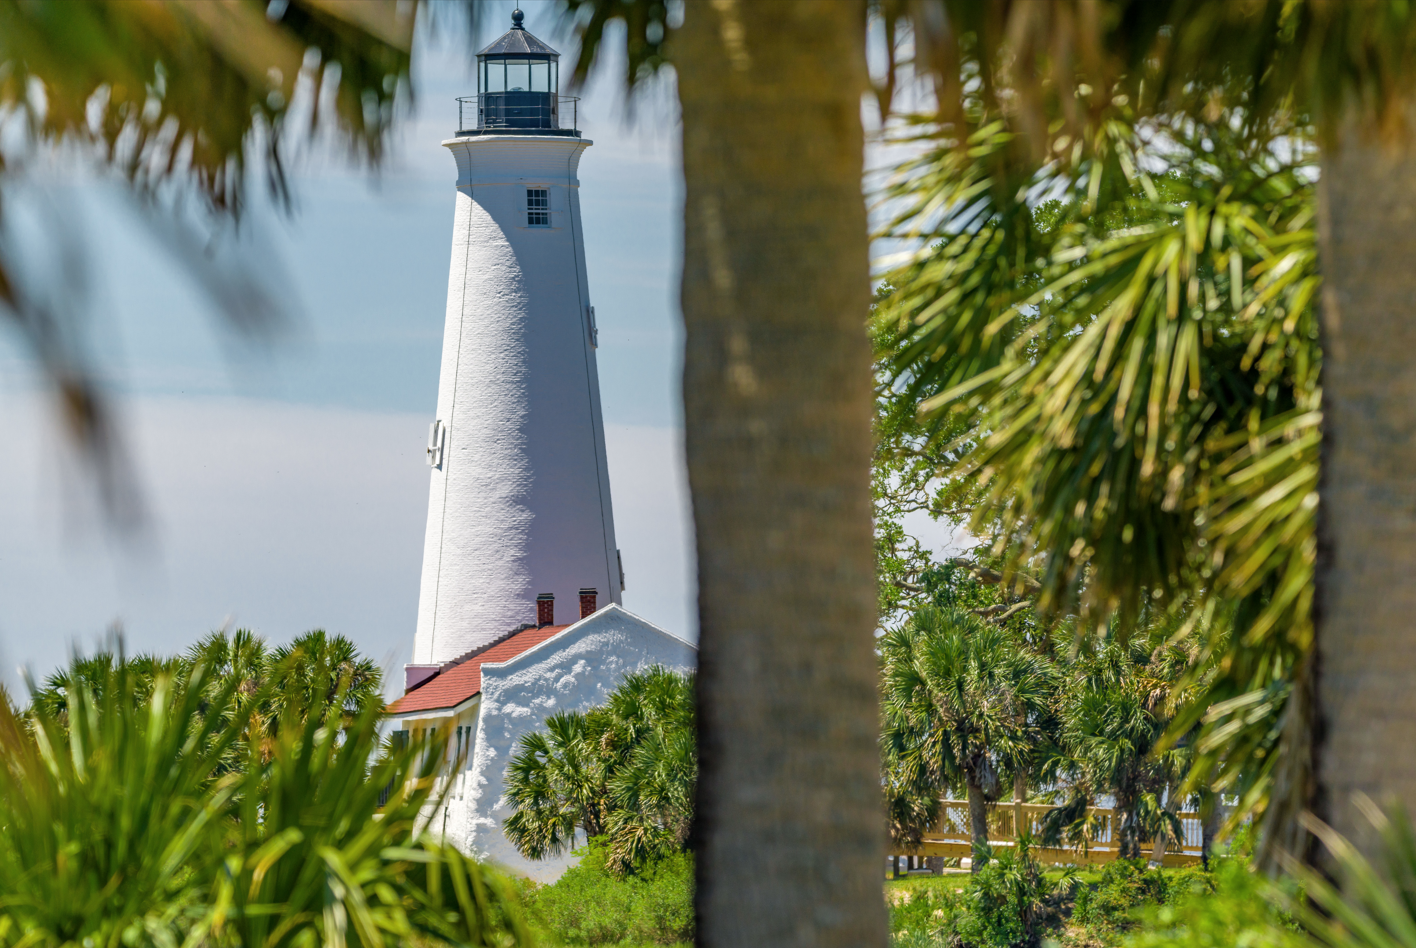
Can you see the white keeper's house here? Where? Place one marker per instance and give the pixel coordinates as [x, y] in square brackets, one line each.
[519, 613]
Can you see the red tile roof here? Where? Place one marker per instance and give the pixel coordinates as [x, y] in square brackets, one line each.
[460, 682]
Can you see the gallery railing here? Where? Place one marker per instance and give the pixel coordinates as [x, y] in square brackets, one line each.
[518, 111]
[950, 836]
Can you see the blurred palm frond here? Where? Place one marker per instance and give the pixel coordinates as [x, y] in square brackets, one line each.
[186, 105]
[124, 823]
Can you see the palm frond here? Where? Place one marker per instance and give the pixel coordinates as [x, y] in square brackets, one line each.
[1142, 409]
[124, 824]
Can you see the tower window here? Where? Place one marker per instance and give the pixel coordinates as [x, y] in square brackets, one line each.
[538, 207]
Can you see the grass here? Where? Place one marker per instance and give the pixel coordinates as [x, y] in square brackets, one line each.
[590, 906]
[1114, 906]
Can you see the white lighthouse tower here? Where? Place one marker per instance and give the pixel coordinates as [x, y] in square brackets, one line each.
[519, 518]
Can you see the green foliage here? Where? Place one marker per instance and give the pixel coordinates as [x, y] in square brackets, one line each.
[1006, 908]
[1126, 885]
[960, 702]
[1124, 904]
[1112, 710]
[109, 815]
[593, 905]
[1233, 907]
[919, 913]
[1099, 415]
[1009, 903]
[626, 771]
[1373, 903]
[124, 826]
[1134, 366]
[243, 680]
[318, 669]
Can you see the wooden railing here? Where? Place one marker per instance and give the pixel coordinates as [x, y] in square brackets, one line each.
[950, 836]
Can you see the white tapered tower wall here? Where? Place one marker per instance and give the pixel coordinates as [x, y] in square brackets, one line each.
[520, 503]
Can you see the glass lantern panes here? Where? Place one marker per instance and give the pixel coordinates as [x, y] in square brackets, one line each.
[518, 83]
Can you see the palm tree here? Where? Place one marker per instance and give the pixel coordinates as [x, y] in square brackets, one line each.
[1112, 721]
[557, 782]
[1224, 405]
[654, 743]
[317, 668]
[94, 673]
[961, 703]
[653, 796]
[912, 801]
[316, 671]
[626, 770]
[238, 661]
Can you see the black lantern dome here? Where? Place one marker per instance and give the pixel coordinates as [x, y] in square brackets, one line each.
[518, 87]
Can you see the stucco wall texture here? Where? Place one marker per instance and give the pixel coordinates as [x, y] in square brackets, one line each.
[574, 671]
[521, 502]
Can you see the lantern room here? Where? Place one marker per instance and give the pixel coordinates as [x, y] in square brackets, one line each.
[518, 88]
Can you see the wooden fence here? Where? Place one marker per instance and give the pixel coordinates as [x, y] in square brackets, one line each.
[951, 835]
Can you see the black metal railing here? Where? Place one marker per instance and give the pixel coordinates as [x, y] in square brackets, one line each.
[522, 112]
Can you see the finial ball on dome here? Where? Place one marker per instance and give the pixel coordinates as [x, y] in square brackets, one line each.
[516, 17]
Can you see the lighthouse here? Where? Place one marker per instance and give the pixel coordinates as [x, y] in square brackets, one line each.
[520, 529]
[519, 614]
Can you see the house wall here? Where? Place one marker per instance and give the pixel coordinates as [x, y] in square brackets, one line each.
[574, 671]
[454, 772]
[520, 504]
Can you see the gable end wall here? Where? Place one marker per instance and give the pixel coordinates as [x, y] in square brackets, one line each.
[574, 671]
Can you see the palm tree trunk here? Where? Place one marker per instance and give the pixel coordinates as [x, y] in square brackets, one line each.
[1128, 846]
[978, 821]
[1366, 602]
[1212, 812]
[1158, 849]
[777, 410]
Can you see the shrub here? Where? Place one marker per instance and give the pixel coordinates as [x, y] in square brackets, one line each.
[1126, 885]
[1233, 908]
[590, 905]
[919, 913]
[140, 812]
[1006, 904]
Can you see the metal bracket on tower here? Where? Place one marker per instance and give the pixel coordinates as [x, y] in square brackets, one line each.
[437, 439]
[594, 330]
[619, 561]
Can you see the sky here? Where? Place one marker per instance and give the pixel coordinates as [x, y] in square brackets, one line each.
[284, 484]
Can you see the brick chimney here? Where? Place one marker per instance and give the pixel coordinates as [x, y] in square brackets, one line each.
[587, 601]
[545, 609]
